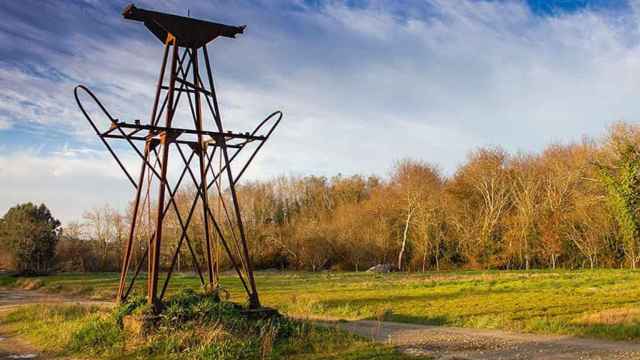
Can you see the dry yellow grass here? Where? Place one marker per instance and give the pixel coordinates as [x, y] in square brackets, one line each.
[619, 316]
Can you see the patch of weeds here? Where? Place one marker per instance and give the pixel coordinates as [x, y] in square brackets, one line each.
[134, 303]
[96, 336]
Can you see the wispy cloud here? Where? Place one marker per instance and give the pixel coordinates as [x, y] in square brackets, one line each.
[360, 86]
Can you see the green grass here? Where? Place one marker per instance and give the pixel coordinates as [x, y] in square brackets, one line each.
[192, 326]
[600, 303]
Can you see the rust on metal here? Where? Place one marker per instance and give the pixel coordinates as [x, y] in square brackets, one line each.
[185, 44]
[189, 32]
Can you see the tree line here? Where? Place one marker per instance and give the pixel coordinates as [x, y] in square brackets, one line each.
[571, 206]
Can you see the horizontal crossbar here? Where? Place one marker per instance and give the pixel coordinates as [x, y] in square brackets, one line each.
[177, 131]
[142, 138]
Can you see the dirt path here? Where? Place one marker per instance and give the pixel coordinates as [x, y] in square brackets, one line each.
[462, 344]
[11, 346]
[11, 298]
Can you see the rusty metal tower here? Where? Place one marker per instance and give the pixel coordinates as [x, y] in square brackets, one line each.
[204, 138]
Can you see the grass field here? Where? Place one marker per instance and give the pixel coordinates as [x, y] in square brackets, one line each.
[191, 327]
[600, 303]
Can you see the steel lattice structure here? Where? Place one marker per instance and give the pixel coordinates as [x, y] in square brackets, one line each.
[185, 45]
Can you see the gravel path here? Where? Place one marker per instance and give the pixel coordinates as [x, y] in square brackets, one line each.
[471, 344]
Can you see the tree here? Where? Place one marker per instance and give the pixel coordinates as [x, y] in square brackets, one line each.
[482, 191]
[588, 228]
[107, 227]
[74, 252]
[525, 192]
[30, 233]
[417, 185]
[622, 180]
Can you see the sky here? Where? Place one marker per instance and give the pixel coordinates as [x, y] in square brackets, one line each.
[361, 83]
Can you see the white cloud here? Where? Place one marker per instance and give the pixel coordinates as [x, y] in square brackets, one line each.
[359, 87]
[68, 182]
[4, 123]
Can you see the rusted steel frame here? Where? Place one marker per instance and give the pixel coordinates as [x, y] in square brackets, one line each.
[197, 115]
[164, 102]
[140, 138]
[240, 148]
[231, 227]
[216, 176]
[209, 158]
[188, 221]
[144, 256]
[261, 143]
[221, 235]
[188, 91]
[209, 248]
[161, 129]
[114, 124]
[95, 128]
[254, 300]
[134, 132]
[160, 79]
[251, 137]
[171, 192]
[111, 128]
[126, 261]
[192, 86]
[175, 254]
[150, 170]
[196, 264]
[148, 143]
[179, 90]
[209, 162]
[203, 175]
[215, 246]
[184, 75]
[183, 235]
[212, 90]
[135, 275]
[179, 217]
[155, 115]
[226, 248]
[165, 141]
[127, 257]
[195, 259]
[219, 211]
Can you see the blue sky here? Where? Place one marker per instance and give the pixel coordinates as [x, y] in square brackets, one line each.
[362, 83]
